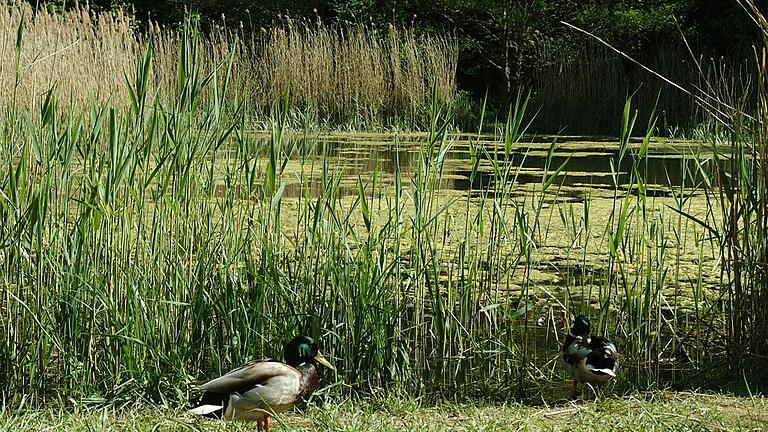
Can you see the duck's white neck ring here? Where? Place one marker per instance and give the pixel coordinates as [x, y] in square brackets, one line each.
[573, 335]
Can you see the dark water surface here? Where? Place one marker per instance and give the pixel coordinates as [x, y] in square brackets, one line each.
[593, 162]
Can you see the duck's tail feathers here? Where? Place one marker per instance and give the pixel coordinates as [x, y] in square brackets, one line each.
[207, 410]
[210, 405]
[602, 371]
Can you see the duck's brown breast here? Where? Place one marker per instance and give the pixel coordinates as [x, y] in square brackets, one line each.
[310, 379]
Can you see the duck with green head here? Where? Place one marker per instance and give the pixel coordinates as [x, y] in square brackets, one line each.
[262, 388]
[589, 359]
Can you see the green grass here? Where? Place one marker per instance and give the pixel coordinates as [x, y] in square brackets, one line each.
[666, 411]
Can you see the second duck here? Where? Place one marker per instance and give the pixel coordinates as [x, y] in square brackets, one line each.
[588, 359]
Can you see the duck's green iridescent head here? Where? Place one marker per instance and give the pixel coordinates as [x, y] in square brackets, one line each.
[580, 326]
[303, 349]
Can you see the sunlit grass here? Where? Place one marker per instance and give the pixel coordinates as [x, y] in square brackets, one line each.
[656, 411]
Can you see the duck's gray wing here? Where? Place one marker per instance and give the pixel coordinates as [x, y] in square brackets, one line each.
[604, 357]
[245, 378]
[247, 391]
[576, 351]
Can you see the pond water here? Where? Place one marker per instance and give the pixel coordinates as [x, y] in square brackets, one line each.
[589, 160]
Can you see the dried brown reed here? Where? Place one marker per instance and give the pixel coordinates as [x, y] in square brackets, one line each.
[357, 70]
[345, 73]
[84, 55]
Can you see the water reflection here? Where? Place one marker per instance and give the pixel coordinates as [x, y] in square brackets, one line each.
[590, 164]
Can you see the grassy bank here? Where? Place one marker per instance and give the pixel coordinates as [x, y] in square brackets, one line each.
[658, 411]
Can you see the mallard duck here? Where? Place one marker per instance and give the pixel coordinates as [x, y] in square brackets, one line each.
[262, 388]
[592, 360]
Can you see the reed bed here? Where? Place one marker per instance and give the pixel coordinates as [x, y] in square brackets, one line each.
[148, 248]
[353, 74]
[356, 69]
[84, 55]
[740, 146]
